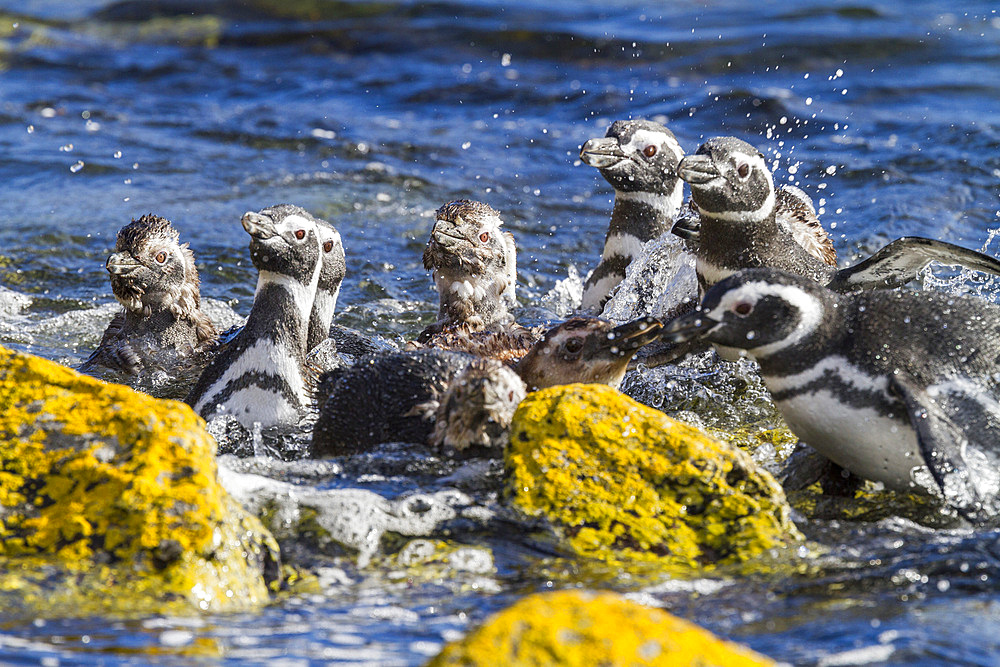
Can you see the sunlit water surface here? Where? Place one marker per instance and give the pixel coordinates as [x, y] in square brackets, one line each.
[372, 115]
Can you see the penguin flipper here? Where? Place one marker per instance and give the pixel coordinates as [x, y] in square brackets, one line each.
[943, 446]
[898, 263]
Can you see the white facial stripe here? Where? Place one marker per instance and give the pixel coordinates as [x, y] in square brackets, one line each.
[642, 138]
[810, 311]
[847, 372]
[292, 222]
[329, 234]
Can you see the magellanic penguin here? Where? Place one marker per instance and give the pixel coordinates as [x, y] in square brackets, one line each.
[331, 276]
[161, 326]
[475, 271]
[259, 376]
[887, 383]
[734, 192]
[412, 397]
[474, 268]
[639, 159]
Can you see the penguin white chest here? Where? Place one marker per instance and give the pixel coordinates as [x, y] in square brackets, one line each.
[853, 434]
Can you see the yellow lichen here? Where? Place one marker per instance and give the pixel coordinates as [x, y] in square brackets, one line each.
[570, 628]
[621, 481]
[92, 472]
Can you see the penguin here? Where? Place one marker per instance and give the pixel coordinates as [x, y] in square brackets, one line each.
[258, 377]
[331, 276]
[639, 158]
[474, 266]
[896, 386]
[794, 212]
[161, 326]
[734, 192]
[398, 397]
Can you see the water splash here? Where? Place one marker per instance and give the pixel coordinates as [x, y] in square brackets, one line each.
[658, 281]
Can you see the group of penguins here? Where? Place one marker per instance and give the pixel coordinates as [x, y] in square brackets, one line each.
[897, 386]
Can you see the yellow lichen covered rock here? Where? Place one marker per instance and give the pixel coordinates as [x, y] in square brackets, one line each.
[587, 628]
[621, 481]
[109, 501]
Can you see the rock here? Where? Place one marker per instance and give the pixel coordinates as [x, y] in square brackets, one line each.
[569, 628]
[109, 502]
[619, 481]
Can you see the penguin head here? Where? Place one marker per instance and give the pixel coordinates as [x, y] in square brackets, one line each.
[474, 262]
[334, 262]
[729, 180]
[763, 311]
[478, 406]
[151, 270]
[585, 349]
[284, 240]
[636, 156]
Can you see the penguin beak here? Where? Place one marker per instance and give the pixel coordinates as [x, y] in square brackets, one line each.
[258, 226]
[602, 152]
[626, 338]
[686, 327]
[121, 264]
[697, 169]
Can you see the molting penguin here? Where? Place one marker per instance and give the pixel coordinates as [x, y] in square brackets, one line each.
[639, 159]
[162, 327]
[886, 383]
[258, 376]
[475, 271]
[398, 397]
[735, 195]
[474, 267]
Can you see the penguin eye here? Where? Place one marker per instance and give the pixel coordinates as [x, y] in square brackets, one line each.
[649, 151]
[161, 257]
[328, 246]
[743, 170]
[300, 234]
[573, 345]
[484, 237]
[743, 308]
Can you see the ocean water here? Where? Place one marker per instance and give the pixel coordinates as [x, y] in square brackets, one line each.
[373, 114]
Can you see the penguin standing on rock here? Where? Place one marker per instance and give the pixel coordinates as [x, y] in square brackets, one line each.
[739, 229]
[259, 376]
[889, 384]
[161, 326]
[639, 159]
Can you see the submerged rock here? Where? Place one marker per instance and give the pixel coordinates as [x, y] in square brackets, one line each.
[109, 503]
[591, 628]
[619, 481]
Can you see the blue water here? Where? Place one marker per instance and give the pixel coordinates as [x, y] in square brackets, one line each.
[373, 114]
